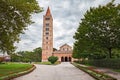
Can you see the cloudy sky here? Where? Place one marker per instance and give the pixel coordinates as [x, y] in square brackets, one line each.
[66, 17]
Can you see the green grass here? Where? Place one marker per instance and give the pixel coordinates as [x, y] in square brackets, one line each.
[11, 68]
[44, 63]
[47, 63]
[117, 70]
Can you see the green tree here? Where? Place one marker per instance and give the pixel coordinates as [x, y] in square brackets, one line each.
[99, 30]
[97, 55]
[16, 58]
[54, 49]
[116, 53]
[52, 59]
[28, 56]
[38, 54]
[15, 16]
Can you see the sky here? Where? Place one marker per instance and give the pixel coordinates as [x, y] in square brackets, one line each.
[67, 15]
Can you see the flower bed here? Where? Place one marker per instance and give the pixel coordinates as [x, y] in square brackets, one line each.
[94, 73]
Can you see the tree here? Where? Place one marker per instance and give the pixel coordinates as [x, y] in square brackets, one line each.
[16, 58]
[54, 49]
[97, 55]
[28, 56]
[38, 54]
[99, 30]
[15, 16]
[52, 59]
[116, 53]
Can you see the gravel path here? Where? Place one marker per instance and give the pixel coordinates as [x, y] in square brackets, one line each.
[63, 71]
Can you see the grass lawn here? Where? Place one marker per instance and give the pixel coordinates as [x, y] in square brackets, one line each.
[10, 68]
[117, 70]
[44, 63]
[47, 63]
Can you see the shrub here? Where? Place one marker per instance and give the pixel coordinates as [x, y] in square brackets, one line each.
[52, 59]
[26, 60]
[108, 63]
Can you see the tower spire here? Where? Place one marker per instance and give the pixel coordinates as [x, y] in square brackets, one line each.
[47, 42]
[48, 13]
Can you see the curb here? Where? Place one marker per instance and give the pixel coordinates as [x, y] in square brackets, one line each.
[15, 75]
[93, 75]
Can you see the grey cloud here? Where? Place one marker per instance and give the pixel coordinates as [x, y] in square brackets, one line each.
[66, 14]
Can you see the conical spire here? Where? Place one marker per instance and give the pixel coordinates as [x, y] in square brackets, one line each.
[48, 12]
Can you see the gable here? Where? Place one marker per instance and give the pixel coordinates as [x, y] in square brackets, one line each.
[65, 47]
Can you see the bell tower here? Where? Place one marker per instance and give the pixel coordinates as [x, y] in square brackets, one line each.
[47, 39]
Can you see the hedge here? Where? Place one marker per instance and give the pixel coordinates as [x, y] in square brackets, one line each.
[107, 63]
[96, 74]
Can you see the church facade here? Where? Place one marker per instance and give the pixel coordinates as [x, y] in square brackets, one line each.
[64, 54]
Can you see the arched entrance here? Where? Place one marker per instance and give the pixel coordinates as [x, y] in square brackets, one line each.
[62, 59]
[66, 59]
[69, 59]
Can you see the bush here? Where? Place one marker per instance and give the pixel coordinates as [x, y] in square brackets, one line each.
[94, 73]
[26, 60]
[1, 59]
[108, 63]
[52, 59]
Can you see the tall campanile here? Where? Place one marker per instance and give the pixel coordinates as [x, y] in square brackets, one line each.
[47, 39]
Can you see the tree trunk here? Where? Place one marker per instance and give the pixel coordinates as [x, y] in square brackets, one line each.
[110, 52]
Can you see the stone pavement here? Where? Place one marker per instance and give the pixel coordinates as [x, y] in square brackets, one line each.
[63, 71]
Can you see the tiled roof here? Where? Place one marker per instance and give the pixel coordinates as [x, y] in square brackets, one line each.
[65, 45]
[48, 13]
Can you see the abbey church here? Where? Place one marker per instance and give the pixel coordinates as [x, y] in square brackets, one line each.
[64, 54]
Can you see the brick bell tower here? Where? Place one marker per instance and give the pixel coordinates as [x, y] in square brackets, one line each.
[47, 39]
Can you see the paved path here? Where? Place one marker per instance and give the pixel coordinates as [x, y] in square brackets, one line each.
[63, 71]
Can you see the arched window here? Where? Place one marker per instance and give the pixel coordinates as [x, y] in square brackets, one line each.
[47, 18]
[47, 29]
[47, 24]
[67, 49]
[47, 38]
[47, 33]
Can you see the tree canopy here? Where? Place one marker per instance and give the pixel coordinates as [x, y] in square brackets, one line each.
[27, 56]
[99, 30]
[15, 16]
